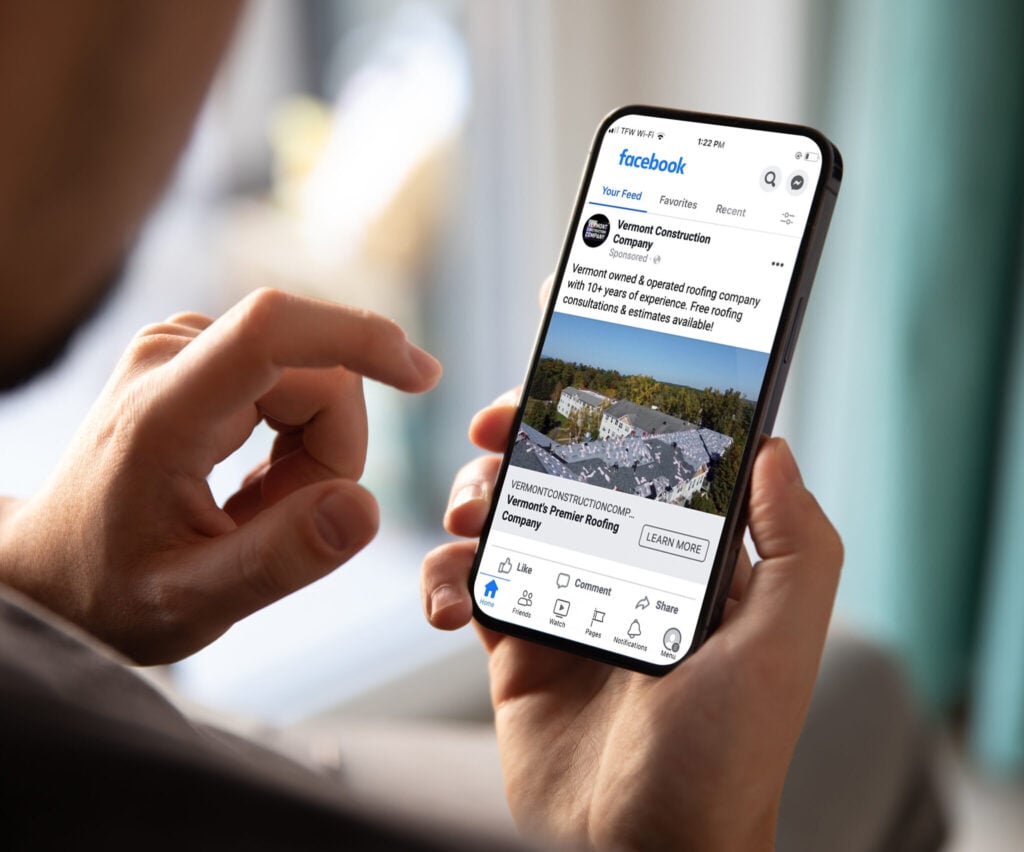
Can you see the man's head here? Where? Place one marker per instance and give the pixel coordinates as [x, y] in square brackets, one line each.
[96, 102]
[38, 324]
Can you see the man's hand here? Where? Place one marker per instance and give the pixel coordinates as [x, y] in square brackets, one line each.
[126, 539]
[693, 760]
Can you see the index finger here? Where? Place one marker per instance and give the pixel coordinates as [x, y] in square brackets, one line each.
[241, 355]
[491, 428]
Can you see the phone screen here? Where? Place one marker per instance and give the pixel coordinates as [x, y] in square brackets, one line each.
[610, 510]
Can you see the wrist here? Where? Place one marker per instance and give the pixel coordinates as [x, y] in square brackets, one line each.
[12, 568]
[24, 551]
[721, 831]
[755, 834]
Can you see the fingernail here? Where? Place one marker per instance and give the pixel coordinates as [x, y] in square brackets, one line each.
[465, 495]
[787, 464]
[443, 597]
[426, 364]
[333, 517]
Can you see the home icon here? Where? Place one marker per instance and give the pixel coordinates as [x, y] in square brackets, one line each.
[491, 589]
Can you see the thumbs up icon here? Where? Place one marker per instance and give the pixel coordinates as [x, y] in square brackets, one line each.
[505, 567]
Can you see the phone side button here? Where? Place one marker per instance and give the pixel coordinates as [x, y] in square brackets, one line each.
[798, 316]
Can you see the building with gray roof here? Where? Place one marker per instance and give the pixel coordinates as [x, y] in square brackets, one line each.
[670, 467]
[538, 438]
[715, 442]
[573, 399]
[627, 418]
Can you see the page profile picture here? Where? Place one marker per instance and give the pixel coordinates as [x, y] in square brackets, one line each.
[596, 230]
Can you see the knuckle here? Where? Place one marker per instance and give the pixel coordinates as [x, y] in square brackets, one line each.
[259, 311]
[393, 331]
[190, 318]
[481, 472]
[490, 464]
[433, 563]
[155, 329]
[828, 538]
[835, 550]
[468, 473]
[264, 569]
[447, 563]
[154, 344]
[381, 330]
[165, 608]
[265, 303]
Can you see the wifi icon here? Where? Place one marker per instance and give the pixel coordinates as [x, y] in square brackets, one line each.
[661, 136]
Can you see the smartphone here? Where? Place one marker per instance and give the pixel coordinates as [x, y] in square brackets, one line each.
[619, 508]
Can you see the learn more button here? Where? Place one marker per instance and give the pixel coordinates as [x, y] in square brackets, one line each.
[674, 543]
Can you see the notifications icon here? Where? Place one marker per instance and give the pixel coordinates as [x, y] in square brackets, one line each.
[562, 580]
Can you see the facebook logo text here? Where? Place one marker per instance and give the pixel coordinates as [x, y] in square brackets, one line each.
[651, 162]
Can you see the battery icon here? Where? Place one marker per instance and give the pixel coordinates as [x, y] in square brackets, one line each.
[812, 156]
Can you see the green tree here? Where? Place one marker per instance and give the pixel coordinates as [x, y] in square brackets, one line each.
[540, 415]
[582, 421]
[643, 391]
[702, 503]
[556, 394]
[690, 408]
[723, 476]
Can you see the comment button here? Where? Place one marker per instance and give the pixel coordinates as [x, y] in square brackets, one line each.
[674, 543]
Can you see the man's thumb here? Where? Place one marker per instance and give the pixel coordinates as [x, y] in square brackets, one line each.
[801, 552]
[298, 540]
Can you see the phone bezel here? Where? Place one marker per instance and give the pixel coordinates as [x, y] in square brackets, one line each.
[765, 408]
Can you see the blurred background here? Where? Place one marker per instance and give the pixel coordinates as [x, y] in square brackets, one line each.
[421, 159]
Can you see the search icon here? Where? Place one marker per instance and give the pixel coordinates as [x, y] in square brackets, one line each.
[769, 178]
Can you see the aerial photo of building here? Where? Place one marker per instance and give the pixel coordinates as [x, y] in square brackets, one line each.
[576, 399]
[669, 466]
[627, 418]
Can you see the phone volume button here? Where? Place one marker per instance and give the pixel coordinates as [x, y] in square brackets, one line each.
[798, 316]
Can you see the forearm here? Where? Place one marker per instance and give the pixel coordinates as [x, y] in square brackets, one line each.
[11, 568]
[23, 553]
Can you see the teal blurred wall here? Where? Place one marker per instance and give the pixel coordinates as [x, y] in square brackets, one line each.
[908, 406]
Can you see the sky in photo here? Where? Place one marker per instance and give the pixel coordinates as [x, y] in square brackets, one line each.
[665, 357]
